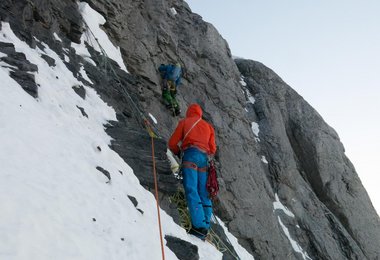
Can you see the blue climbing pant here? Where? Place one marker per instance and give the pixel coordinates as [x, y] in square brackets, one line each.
[194, 170]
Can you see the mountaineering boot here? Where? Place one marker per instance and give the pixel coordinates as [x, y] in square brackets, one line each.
[174, 107]
[177, 110]
[200, 233]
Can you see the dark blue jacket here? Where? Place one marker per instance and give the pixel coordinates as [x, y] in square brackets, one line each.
[171, 72]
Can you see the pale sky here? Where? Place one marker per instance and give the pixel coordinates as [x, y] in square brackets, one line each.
[328, 51]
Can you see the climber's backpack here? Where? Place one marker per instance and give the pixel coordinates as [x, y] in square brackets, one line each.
[212, 184]
[170, 72]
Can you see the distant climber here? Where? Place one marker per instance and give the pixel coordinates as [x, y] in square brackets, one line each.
[197, 142]
[171, 79]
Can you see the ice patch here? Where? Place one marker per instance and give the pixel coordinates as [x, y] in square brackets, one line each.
[84, 74]
[153, 118]
[264, 160]
[278, 205]
[250, 97]
[242, 82]
[89, 60]
[81, 50]
[173, 11]
[57, 37]
[255, 129]
[296, 247]
[241, 251]
[67, 59]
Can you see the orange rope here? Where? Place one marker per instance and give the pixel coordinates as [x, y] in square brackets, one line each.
[158, 206]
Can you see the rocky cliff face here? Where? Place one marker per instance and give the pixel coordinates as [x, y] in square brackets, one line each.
[310, 172]
[295, 159]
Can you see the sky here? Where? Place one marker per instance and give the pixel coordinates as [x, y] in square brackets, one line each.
[328, 51]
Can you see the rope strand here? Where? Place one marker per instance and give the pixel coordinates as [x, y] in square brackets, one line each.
[157, 203]
[228, 249]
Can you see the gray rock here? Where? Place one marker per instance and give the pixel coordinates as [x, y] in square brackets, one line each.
[49, 60]
[21, 69]
[7, 48]
[26, 80]
[135, 203]
[219, 238]
[105, 172]
[19, 60]
[82, 111]
[132, 145]
[41, 18]
[181, 248]
[133, 200]
[80, 91]
[310, 172]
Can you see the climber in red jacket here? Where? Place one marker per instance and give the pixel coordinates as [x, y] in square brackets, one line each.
[197, 138]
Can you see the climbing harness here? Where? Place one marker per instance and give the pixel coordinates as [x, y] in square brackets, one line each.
[191, 165]
[186, 164]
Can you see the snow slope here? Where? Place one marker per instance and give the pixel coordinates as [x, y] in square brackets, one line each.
[55, 204]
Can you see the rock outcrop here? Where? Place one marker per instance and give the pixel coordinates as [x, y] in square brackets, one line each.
[295, 159]
[310, 172]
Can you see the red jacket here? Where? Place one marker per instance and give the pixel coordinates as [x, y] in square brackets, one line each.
[202, 135]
